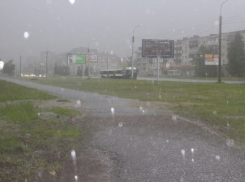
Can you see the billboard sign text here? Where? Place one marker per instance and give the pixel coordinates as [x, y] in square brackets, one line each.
[211, 59]
[92, 58]
[76, 59]
[153, 48]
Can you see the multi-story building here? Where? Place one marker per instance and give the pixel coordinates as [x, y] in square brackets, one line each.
[185, 51]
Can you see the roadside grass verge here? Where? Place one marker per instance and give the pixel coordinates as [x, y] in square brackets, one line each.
[221, 106]
[64, 111]
[33, 148]
[13, 92]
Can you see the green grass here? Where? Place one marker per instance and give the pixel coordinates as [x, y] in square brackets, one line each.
[19, 112]
[30, 144]
[13, 92]
[64, 111]
[212, 103]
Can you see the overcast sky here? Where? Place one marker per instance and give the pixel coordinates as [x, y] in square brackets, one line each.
[59, 25]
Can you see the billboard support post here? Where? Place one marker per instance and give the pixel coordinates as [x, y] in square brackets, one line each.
[157, 68]
[89, 60]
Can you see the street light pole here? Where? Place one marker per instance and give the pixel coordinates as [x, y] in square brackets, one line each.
[20, 65]
[47, 61]
[46, 64]
[133, 51]
[89, 60]
[220, 42]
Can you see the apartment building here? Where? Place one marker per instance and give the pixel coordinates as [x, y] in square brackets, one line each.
[185, 51]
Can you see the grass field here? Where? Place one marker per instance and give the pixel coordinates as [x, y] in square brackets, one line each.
[33, 143]
[218, 105]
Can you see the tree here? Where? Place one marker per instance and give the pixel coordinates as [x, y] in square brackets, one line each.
[86, 70]
[79, 71]
[201, 69]
[9, 68]
[236, 64]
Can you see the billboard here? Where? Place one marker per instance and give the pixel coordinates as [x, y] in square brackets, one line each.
[211, 59]
[92, 58]
[154, 48]
[76, 59]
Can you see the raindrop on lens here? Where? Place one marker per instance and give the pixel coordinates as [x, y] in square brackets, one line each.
[39, 174]
[112, 110]
[26, 35]
[78, 102]
[174, 117]
[217, 157]
[183, 152]
[230, 142]
[73, 154]
[72, 1]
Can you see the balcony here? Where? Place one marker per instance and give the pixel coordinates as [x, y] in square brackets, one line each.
[213, 43]
[178, 48]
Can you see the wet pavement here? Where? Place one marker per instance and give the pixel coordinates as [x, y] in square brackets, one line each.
[146, 143]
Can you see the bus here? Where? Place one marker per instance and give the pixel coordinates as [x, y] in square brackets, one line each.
[118, 73]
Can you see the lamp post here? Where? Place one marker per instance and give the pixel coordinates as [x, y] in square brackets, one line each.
[47, 61]
[220, 32]
[20, 64]
[89, 60]
[133, 50]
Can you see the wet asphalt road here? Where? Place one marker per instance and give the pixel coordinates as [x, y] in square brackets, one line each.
[148, 144]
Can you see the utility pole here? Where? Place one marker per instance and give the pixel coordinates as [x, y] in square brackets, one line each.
[133, 51]
[220, 42]
[46, 63]
[20, 66]
[89, 58]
